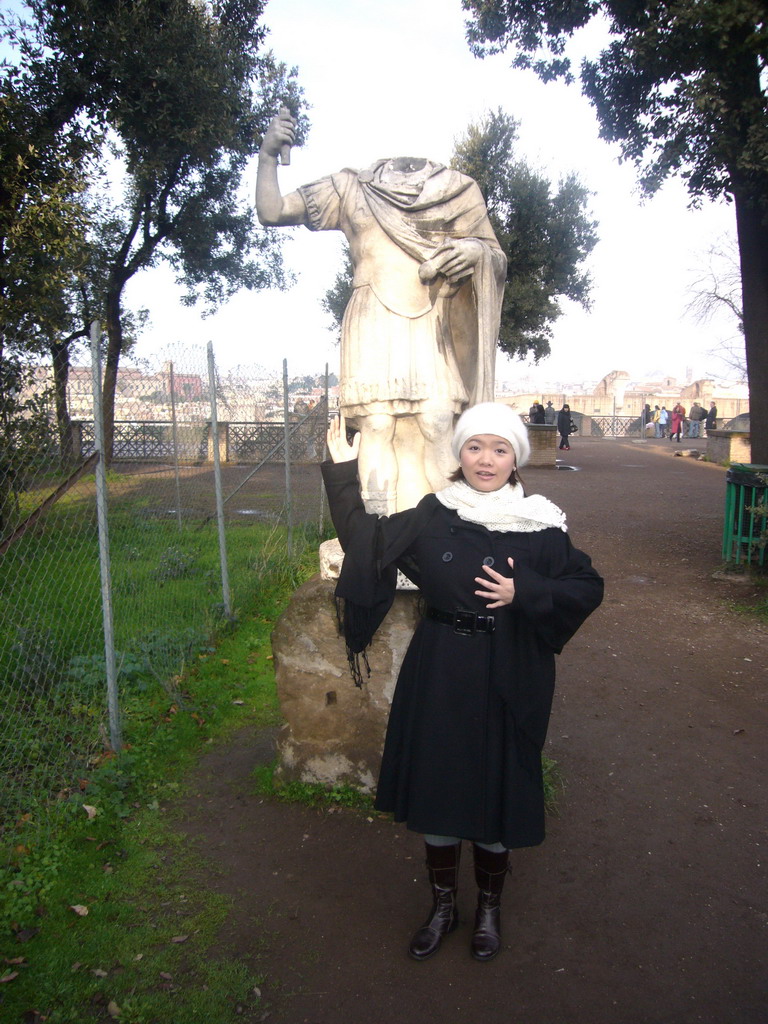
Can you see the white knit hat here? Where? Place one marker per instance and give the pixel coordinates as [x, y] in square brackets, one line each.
[492, 418]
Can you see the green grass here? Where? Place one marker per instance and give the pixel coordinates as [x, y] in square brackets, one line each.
[553, 783]
[167, 607]
[115, 851]
[757, 603]
[311, 794]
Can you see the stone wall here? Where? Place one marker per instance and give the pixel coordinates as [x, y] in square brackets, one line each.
[726, 446]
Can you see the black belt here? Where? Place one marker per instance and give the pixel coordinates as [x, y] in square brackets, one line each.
[464, 622]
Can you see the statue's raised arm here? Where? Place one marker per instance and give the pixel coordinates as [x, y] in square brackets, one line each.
[272, 208]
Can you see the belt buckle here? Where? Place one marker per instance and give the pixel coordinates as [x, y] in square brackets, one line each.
[465, 622]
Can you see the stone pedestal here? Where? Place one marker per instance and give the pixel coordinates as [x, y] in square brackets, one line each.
[543, 440]
[334, 731]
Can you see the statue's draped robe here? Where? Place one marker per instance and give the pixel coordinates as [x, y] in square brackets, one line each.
[405, 343]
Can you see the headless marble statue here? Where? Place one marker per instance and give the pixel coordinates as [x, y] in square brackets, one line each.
[419, 334]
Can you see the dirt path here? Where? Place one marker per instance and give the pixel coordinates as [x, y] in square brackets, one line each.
[647, 902]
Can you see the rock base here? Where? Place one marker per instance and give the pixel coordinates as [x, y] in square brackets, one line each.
[334, 731]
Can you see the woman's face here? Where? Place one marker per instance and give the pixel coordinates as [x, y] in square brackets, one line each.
[487, 461]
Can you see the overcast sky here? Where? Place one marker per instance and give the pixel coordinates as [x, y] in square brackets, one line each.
[397, 78]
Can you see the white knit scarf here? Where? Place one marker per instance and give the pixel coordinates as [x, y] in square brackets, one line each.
[506, 510]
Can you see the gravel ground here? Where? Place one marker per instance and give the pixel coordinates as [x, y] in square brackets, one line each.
[647, 902]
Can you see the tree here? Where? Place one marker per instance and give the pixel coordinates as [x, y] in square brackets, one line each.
[82, 300]
[717, 291]
[681, 88]
[25, 435]
[43, 224]
[545, 236]
[545, 233]
[42, 219]
[183, 90]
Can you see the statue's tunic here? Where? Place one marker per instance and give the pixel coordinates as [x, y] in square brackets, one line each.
[403, 342]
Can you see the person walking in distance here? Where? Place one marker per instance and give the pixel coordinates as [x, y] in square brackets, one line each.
[663, 421]
[678, 418]
[564, 427]
[711, 421]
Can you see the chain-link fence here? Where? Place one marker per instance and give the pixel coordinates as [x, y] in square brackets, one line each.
[160, 586]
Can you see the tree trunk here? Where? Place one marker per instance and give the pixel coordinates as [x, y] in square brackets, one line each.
[111, 365]
[60, 359]
[753, 251]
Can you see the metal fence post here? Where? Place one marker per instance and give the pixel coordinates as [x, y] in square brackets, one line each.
[287, 431]
[175, 433]
[217, 484]
[104, 562]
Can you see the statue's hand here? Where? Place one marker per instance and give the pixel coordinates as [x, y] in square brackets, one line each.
[339, 448]
[455, 259]
[281, 131]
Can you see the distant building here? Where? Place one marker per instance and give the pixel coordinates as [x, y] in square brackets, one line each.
[618, 395]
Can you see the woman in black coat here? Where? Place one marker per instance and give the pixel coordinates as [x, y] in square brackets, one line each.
[564, 427]
[505, 589]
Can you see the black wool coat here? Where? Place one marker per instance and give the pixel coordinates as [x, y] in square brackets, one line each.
[469, 717]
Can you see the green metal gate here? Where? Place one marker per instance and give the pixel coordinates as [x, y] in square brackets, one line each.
[745, 531]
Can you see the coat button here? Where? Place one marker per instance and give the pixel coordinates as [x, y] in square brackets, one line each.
[447, 556]
[488, 560]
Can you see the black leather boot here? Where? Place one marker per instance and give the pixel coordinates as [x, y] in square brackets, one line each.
[443, 868]
[490, 873]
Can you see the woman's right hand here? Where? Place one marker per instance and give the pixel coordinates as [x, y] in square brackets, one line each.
[339, 448]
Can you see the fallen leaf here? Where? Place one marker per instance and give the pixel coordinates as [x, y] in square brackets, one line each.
[113, 1009]
[90, 811]
[9, 977]
[238, 702]
[79, 909]
[179, 938]
[139, 956]
[166, 976]
[98, 973]
[16, 960]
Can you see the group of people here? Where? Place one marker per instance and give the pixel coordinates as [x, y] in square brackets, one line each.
[676, 424]
[561, 418]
